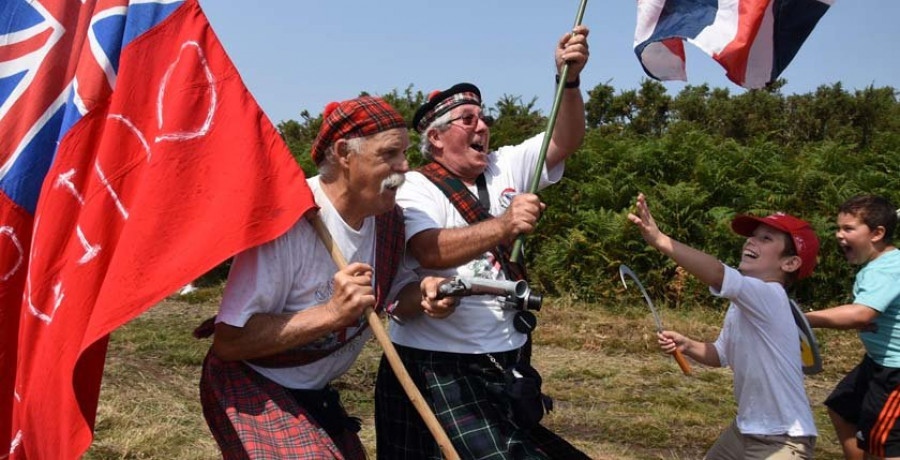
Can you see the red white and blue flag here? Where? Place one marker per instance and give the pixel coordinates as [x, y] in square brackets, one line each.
[132, 160]
[754, 40]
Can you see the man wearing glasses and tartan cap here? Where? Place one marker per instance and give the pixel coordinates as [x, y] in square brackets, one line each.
[462, 212]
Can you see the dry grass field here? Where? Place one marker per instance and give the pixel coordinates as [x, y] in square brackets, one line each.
[616, 396]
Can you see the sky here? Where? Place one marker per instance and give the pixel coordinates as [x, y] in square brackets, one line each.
[300, 55]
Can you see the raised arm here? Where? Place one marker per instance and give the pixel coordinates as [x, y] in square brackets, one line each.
[568, 133]
[705, 267]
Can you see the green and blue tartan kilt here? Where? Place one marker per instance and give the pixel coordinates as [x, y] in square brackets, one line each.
[465, 392]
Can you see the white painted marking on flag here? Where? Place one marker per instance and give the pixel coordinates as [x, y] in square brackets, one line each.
[182, 136]
[58, 296]
[97, 50]
[15, 443]
[134, 129]
[716, 36]
[11, 234]
[65, 180]
[90, 250]
[112, 193]
[31, 308]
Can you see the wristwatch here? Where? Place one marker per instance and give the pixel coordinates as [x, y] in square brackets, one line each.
[570, 84]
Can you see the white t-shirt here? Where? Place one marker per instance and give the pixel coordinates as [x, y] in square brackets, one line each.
[479, 324]
[760, 343]
[295, 272]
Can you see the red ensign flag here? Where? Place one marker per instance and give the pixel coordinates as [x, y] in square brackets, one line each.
[173, 172]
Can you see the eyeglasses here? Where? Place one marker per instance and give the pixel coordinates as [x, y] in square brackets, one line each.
[470, 120]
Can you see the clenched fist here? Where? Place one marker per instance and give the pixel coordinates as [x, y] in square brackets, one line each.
[353, 292]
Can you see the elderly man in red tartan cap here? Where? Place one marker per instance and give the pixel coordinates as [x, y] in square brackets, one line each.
[288, 324]
[462, 211]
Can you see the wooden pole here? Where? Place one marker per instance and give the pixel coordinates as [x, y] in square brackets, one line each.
[551, 123]
[389, 351]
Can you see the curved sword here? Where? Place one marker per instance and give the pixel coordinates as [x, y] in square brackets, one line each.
[625, 271]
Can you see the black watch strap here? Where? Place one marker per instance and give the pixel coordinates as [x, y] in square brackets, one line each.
[571, 84]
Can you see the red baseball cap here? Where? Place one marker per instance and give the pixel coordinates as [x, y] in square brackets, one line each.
[805, 240]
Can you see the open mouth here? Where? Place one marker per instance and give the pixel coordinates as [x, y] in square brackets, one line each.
[477, 147]
[750, 254]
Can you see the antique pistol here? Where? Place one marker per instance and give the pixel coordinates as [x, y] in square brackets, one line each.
[517, 295]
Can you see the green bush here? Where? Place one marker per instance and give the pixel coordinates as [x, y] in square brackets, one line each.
[703, 170]
[701, 157]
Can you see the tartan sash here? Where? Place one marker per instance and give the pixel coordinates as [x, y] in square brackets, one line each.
[389, 246]
[471, 210]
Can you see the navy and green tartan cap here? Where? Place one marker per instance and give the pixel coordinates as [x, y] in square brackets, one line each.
[441, 102]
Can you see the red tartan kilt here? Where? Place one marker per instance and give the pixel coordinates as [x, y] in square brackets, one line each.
[252, 417]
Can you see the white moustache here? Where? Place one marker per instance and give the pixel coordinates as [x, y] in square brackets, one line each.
[392, 182]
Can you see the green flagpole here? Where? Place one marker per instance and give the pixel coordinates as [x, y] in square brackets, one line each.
[536, 180]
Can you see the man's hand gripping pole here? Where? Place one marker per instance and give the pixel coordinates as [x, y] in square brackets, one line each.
[516, 256]
[389, 351]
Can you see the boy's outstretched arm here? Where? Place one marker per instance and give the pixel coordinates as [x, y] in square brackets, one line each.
[702, 352]
[700, 264]
[850, 316]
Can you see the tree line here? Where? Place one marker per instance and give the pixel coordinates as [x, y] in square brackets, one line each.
[701, 156]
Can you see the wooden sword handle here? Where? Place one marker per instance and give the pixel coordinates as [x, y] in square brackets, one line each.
[682, 362]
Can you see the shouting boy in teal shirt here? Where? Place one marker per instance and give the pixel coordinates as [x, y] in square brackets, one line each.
[864, 406]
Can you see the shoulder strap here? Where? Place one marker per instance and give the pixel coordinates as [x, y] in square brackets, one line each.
[809, 347]
[390, 243]
[483, 196]
[471, 210]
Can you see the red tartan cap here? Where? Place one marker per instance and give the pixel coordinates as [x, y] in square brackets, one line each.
[360, 117]
[805, 240]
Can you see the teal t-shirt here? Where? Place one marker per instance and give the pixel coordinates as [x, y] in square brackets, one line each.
[878, 286]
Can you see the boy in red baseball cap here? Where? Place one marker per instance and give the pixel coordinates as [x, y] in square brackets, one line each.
[759, 340]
